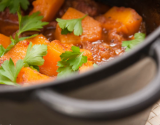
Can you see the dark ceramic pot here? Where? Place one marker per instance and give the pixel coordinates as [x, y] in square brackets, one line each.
[121, 92]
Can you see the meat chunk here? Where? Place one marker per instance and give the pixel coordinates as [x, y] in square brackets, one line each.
[89, 7]
[7, 16]
[86, 6]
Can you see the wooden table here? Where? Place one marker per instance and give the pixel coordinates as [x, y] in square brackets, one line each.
[154, 117]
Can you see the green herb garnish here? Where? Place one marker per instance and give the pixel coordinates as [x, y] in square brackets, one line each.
[34, 55]
[9, 72]
[71, 61]
[72, 25]
[30, 23]
[33, 59]
[26, 23]
[138, 37]
[14, 5]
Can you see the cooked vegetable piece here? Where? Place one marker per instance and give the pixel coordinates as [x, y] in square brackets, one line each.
[33, 58]
[72, 25]
[110, 24]
[14, 5]
[4, 41]
[39, 39]
[48, 8]
[28, 76]
[55, 49]
[127, 16]
[86, 67]
[138, 37]
[92, 29]
[19, 50]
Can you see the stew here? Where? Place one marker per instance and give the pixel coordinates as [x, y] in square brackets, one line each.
[42, 40]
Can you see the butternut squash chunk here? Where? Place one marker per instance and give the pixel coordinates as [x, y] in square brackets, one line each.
[110, 24]
[55, 49]
[47, 8]
[28, 76]
[19, 50]
[86, 67]
[5, 41]
[92, 29]
[127, 16]
[39, 39]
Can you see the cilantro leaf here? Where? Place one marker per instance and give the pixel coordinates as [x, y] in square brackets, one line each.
[26, 23]
[30, 23]
[27, 37]
[9, 72]
[71, 61]
[4, 4]
[65, 31]
[72, 25]
[64, 71]
[2, 50]
[34, 55]
[33, 59]
[77, 61]
[14, 5]
[138, 37]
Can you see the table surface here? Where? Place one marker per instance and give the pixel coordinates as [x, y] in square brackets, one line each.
[154, 117]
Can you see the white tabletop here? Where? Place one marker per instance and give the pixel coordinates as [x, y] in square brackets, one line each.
[154, 117]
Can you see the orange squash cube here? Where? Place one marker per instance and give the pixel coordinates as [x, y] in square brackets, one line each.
[5, 41]
[55, 49]
[86, 67]
[92, 29]
[28, 76]
[39, 39]
[130, 20]
[47, 8]
[19, 50]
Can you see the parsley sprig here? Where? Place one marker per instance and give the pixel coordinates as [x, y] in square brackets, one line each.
[71, 61]
[14, 5]
[34, 55]
[33, 59]
[138, 37]
[9, 72]
[72, 25]
[26, 23]
[30, 22]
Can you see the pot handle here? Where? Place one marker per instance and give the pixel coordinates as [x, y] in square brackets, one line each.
[107, 109]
